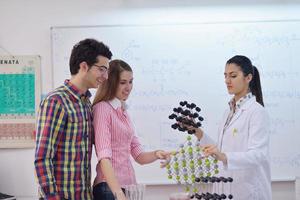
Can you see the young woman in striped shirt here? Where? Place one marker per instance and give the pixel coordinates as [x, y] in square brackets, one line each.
[115, 140]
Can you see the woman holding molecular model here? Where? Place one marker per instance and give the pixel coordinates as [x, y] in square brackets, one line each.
[243, 141]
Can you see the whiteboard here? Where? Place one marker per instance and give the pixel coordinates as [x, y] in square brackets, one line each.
[186, 62]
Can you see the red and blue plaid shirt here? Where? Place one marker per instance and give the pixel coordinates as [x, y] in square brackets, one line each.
[64, 144]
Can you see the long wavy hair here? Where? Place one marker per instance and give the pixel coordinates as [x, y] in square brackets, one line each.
[109, 89]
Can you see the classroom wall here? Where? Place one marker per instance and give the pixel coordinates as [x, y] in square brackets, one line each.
[25, 30]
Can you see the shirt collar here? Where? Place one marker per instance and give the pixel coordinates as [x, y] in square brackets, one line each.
[75, 91]
[240, 102]
[117, 103]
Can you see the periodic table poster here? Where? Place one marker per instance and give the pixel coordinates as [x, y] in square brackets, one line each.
[19, 98]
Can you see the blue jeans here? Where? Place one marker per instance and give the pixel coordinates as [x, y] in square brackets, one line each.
[101, 191]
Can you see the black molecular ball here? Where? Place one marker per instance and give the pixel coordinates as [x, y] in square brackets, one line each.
[187, 117]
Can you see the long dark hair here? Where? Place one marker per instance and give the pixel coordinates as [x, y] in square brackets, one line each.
[247, 68]
[109, 89]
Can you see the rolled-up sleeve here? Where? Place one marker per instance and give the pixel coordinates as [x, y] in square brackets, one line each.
[102, 123]
[136, 147]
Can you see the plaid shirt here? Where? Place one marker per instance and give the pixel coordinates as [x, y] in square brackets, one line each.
[64, 144]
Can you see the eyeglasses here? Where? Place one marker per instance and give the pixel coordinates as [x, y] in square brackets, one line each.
[101, 69]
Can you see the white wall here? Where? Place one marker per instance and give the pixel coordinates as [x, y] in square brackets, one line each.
[25, 30]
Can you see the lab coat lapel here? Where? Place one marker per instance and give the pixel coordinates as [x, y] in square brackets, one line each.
[223, 122]
[236, 116]
[242, 109]
[222, 126]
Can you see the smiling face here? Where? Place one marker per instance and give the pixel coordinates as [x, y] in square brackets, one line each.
[97, 74]
[125, 85]
[237, 84]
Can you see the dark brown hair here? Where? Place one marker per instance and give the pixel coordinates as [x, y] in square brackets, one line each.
[87, 51]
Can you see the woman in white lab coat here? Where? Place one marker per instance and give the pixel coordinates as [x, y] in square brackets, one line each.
[243, 142]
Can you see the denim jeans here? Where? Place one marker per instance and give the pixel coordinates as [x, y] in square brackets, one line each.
[101, 191]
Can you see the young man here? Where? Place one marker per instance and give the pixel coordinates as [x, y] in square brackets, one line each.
[64, 127]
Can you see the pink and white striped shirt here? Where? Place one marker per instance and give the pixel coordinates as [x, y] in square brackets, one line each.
[115, 140]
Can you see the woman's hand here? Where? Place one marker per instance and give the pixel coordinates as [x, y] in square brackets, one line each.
[120, 195]
[164, 156]
[212, 150]
[198, 131]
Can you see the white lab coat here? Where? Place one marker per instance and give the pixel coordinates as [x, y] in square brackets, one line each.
[245, 141]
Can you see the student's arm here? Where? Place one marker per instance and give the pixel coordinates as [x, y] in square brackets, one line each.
[199, 133]
[142, 157]
[102, 123]
[50, 123]
[202, 137]
[149, 157]
[111, 179]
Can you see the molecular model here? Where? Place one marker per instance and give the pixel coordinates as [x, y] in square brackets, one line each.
[189, 166]
[186, 115]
